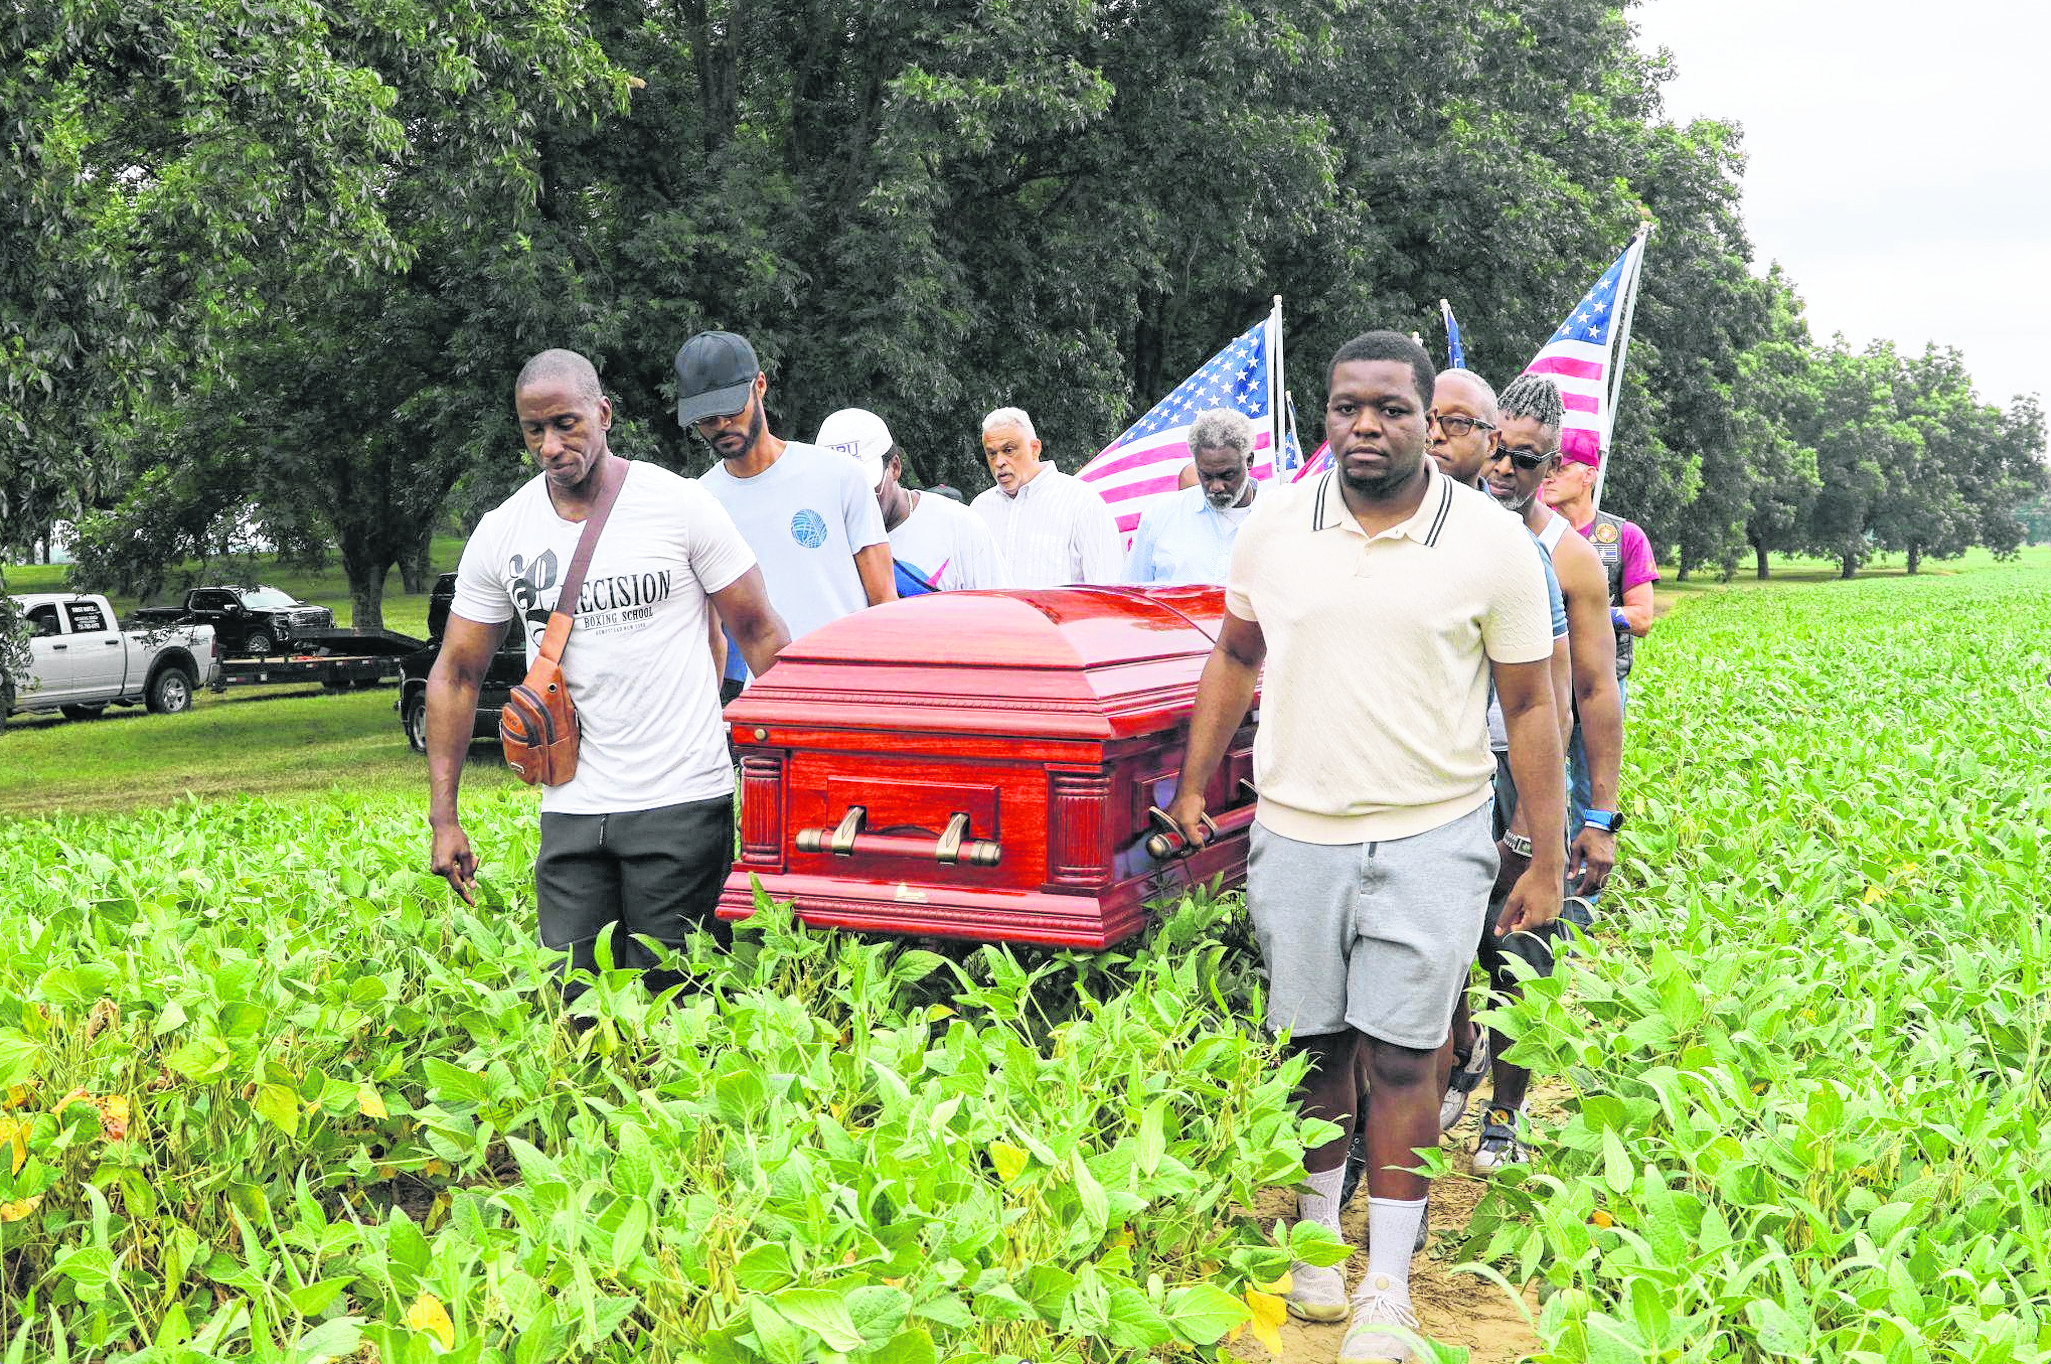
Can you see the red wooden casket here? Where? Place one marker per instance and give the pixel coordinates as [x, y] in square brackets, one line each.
[982, 765]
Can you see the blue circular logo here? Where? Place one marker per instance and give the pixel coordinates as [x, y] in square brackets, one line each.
[808, 528]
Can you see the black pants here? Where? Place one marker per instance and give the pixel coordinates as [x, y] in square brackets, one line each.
[655, 872]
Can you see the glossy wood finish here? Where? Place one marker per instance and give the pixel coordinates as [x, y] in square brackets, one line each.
[1052, 719]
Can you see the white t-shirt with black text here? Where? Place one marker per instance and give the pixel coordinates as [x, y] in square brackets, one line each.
[948, 547]
[638, 663]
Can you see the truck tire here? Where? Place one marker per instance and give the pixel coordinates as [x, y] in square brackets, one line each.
[170, 691]
[82, 712]
[414, 717]
[258, 643]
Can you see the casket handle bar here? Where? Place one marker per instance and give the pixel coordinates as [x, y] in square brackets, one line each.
[1169, 842]
[952, 848]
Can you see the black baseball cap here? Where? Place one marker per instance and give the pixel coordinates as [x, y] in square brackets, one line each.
[715, 370]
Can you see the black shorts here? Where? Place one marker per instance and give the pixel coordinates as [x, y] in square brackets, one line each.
[656, 873]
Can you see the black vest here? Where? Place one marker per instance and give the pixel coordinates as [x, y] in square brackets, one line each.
[1607, 536]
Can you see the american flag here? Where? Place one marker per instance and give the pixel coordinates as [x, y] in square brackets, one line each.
[1579, 358]
[1146, 462]
[1584, 359]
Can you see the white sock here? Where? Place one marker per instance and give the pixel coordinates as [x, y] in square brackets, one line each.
[1321, 1204]
[1391, 1232]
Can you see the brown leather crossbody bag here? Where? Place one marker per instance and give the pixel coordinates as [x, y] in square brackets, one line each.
[538, 726]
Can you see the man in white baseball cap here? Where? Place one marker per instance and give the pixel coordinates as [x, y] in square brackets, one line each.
[939, 545]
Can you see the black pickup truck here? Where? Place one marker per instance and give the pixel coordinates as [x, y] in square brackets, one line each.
[508, 666]
[250, 622]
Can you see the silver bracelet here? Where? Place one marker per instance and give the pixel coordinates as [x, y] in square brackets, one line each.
[1518, 844]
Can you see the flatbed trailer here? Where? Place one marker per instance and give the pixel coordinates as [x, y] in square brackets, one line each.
[336, 659]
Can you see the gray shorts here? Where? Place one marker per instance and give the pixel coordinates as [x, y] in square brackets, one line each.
[1373, 936]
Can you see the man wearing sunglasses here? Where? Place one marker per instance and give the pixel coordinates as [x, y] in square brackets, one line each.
[808, 513]
[1528, 417]
[1464, 434]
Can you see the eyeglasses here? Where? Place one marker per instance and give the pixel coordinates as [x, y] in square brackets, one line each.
[1526, 460]
[1457, 427]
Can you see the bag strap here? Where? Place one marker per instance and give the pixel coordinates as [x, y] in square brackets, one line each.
[611, 480]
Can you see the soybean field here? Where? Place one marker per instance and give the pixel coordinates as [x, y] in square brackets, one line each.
[270, 1093]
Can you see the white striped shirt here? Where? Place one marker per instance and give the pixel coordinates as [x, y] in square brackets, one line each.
[1056, 531]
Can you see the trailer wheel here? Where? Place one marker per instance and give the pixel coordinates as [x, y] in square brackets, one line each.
[170, 691]
[414, 718]
[82, 712]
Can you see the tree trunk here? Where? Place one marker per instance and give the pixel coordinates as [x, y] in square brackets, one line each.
[1764, 569]
[1915, 556]
[366, 588]
[416, 565]
[1848, 564]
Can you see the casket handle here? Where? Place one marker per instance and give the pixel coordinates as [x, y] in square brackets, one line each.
[1169, 842]
[952, 848]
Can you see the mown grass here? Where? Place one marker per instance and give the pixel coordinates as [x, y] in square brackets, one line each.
[267, 743]
[328, 587]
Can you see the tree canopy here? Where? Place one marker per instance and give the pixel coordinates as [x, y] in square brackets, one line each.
[293, 256]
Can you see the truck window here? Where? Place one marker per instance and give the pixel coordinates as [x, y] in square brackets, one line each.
[209, 601]
[43, 620]
[86, 617]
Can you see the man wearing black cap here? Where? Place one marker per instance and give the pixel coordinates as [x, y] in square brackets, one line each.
[808, 513]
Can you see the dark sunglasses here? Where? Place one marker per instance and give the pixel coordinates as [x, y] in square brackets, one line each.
[1527, 460]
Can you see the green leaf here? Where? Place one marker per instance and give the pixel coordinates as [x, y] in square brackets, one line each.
[279, 1106]
[1777, 1332]
[914, 1345]
[1202, 1313]
[316, 1298]
[17, 1057]
[1616, 1163]
[1315, 1245]
[1135, 1323]
[633, 1168]
[780, 1341]
[89, 1267]
[822, 1312]
[764, 1268]
[331, 1340]
[878, 1311]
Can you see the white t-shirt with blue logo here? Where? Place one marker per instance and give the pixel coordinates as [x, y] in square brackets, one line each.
[805, 516]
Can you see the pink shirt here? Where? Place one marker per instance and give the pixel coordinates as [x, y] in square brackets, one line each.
[1635, 554]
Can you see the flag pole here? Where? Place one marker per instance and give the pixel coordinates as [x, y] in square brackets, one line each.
[1277, 391]
[1609, 411]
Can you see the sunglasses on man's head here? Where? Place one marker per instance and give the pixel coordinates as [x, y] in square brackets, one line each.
[1526, 460]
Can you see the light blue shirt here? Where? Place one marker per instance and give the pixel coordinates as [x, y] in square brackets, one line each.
[1182, 539]
[805, 516]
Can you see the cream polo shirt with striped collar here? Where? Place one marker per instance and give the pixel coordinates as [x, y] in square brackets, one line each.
[1375, 688]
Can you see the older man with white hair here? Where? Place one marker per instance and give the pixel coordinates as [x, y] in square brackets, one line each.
[1053, 529]
[1186, 536]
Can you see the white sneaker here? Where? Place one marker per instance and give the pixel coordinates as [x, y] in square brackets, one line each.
[1378, 1303]
[1316, 1292]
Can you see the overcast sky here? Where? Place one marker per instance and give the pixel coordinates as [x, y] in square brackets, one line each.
[1898, 164]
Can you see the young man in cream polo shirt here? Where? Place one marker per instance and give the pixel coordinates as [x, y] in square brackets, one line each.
[1380, 597]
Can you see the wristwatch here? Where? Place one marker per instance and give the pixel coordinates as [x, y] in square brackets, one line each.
[1518, 844]
[1609, 821]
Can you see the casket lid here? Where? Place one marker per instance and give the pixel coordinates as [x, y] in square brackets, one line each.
[1081, 662]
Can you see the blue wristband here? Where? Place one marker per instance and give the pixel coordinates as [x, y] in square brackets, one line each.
[1618, 618]
[1605, 820]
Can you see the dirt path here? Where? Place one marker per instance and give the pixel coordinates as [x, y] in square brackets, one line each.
[1454, 1309]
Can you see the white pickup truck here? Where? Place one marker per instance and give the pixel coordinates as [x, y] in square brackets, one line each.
[80, 662]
